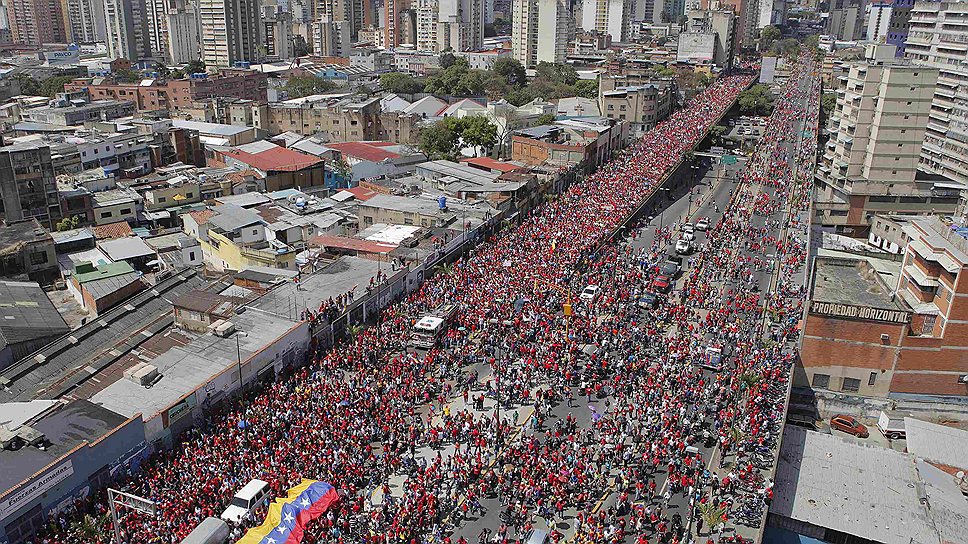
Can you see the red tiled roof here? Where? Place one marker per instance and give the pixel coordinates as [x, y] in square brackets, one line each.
[352, 244]
[362, 193]
[275, 159]
[367, 151]
[202, 216]
[493, 164]
[111, 231]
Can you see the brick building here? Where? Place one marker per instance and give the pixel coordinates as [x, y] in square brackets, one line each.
[159, 94]
[883, 329]
[586, 141]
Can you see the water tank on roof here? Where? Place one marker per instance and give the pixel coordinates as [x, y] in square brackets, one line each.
[442, 202]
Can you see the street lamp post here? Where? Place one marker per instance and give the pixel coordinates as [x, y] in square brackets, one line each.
[238, 352]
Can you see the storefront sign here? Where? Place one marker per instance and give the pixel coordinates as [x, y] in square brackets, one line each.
[850, 311]
[23, 496]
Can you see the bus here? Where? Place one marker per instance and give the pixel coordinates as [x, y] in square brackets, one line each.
[428, 330]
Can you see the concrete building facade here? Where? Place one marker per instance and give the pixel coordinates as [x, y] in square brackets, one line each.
[541, 31]
[231, 31]
[877, 128]
[938, 37]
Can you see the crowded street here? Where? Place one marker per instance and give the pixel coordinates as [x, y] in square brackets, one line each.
[587, 390]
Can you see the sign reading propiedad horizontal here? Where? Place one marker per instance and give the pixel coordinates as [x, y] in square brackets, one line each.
[865, 313]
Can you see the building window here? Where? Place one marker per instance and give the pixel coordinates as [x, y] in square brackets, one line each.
[255, 232]
[821, 380]
[39, 257]
[851, 385]
[105, 215]
[125, 211]
[191, 255]
[872, 378]
[161, 199]
[189, 195]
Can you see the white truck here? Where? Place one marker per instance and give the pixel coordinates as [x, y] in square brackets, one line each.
[210, 531]
[891, 424]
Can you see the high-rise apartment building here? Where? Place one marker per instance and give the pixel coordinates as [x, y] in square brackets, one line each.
[889, 21]
[939, 37]
[127, 30]
[28, 187]
[277, 34]
[354, 14]
[845, 19]
[183, 32]
[401, 23]
[612, 17]
[231, 31]
[450, 24]
[86, 20]
[541, 31]
[156, 22]
[35, 22]
[331, 38]
[870, 164]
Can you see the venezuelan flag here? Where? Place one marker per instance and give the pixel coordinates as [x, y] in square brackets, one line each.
[289, 515]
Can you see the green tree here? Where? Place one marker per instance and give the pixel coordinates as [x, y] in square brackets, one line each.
[768, 36]
[439, 140]
[556, 73]
[471, 83]
[28, 85]
[447, 60]
[511, 71]
[163, 71]
[477, 132]
[711, 515]
[196, 66]
[68, 223]
[756, 101]
[127, 76]
[788, 47]
[343, 170]
[812, 42]
[177, 73]
[546, 119]
[300, 86]
[587, 88]
[54, 85]
[457, 80]
[828, 102]
[400, 83]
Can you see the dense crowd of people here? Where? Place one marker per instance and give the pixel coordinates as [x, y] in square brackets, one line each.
[361, 412]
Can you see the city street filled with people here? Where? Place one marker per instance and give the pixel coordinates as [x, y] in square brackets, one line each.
[603, 389]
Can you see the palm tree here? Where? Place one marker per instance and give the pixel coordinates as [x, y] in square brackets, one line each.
[354, 330]
[712, 515]
[86, 528]
[749, 380]
[445, 269]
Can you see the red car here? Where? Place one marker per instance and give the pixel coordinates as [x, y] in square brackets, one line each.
[661, 284]
[849, 425]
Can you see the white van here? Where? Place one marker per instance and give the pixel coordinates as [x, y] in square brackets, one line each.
[246, 501]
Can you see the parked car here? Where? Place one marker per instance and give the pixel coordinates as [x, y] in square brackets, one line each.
[683, 247]
[590, 293]
[849, 425]
[703, 224]
[688, 228]
[662, 284]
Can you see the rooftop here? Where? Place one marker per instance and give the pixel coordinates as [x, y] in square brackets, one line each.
[229, 217]
[456, 171]
[185, 368]
[348, 274]
[27, 314]
[209, 128]
[129, 247]
[66, 427]
[276, 158]
[111, 231]
[853, 282]
[858, 489]
[367, 151]
[493, 164]
[65, 364]
[26, 231]
[207, 302]
[937, 444]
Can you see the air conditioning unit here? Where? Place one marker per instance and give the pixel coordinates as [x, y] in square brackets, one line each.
[222, 328]
[30, 435]
[142, 374]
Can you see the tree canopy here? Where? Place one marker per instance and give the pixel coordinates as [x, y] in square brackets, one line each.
[768, 36]
[756, 101]
[457, 80]
[300, 86]
[400, 83]
[445, 138]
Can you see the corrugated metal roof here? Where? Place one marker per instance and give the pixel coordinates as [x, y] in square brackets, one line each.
[937, 443]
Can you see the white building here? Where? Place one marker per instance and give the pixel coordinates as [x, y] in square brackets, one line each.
[541, 31]
[938, 37]
[453, 24]
[127, 30]
[612, 17]
[86, 18]
[231, 31]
